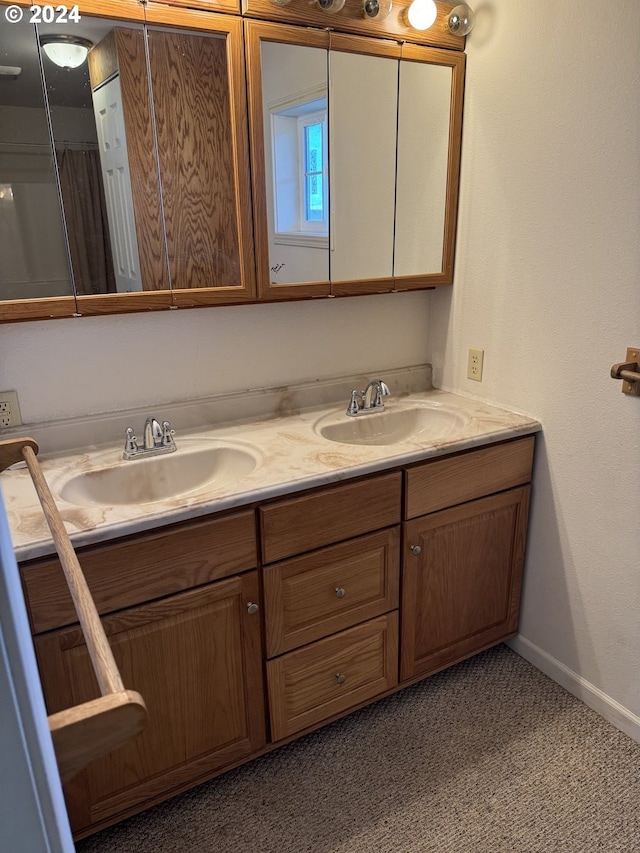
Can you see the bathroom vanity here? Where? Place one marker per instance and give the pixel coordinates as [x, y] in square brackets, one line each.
[249, 613]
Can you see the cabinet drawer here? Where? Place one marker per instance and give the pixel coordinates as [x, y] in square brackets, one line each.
[310, 597]
[143, 567]
[327, 678]
[330, 515]
[446, 482]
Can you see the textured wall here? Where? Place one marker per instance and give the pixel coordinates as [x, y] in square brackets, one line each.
[547, 283]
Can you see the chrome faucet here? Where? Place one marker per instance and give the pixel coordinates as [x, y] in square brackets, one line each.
[368, 401]
[157, 439]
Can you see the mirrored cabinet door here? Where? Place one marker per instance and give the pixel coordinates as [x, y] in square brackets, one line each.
[363, 114]
[104, 146]
[33, 250]
[428, 164]
[289, 118]
[199, 107]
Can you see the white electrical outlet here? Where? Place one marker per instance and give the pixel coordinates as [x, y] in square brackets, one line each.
[9, 409]
[474, 364]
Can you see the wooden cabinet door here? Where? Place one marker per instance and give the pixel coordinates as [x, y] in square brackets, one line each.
[196, 659]
[197, 75]
[461, 590]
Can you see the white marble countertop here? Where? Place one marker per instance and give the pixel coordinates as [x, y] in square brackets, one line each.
[289, 452]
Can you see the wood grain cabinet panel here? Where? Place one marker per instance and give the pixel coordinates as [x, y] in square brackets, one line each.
[199, 105]
[326, 678]
[329, 515]
[232, 6]
[461, 589]
[307, 598]
[143, 567]
[445, 482]
[196, 659]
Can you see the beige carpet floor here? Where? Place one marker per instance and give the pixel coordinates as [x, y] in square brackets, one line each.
[489, 756]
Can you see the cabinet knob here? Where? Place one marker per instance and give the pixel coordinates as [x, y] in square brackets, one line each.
[415, 550]
[252, 608]
[340, 592]
[340, 678]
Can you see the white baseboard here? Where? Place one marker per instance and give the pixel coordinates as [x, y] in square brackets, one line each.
[616, 714]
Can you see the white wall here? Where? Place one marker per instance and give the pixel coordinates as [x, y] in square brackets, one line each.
[548, 284]
[71, 367]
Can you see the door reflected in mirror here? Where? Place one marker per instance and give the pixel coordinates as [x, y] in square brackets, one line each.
[33, 253]
[296, 147]
[103, 139]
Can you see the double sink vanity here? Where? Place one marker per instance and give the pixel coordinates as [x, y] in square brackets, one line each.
[275, 571]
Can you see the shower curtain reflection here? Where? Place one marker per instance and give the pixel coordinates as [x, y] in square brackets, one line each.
[86, 219]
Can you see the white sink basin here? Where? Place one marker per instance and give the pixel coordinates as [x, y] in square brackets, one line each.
[421, 421]
[194, 466]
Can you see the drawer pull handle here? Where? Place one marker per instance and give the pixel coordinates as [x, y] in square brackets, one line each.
[252, 608]
[340, 678]
[415, 550]
[340, 592]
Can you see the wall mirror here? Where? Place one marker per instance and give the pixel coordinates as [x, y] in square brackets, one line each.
[33, 251]
[296, 149]
[363, 115]
[388, 171]
[104, 148]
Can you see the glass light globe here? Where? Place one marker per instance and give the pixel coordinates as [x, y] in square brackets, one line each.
[461, 20]
[331, 6]
[376, 8]
[422, 14]
[66, 51]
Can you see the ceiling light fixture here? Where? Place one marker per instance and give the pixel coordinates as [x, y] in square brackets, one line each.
[422, 14]
[66, 51]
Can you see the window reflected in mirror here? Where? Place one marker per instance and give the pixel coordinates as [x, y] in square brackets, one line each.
[299, 142]
[33, 253]
[296, 146]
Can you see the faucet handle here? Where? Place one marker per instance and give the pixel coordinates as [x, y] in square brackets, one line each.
[130, 444]
[382, 390]
[354, 405]
[167, 435]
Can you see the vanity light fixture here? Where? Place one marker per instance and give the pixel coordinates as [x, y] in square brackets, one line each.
[422, 14]
[376, 8]
[66, 51]
[461, 20]
[331, 6]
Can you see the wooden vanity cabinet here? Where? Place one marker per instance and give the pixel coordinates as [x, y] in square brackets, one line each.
[196, 659]
[331, 616]
[195, 656]
[463, 558]
[356, 589]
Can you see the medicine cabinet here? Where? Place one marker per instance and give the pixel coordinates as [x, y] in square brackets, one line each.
[202, 158]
